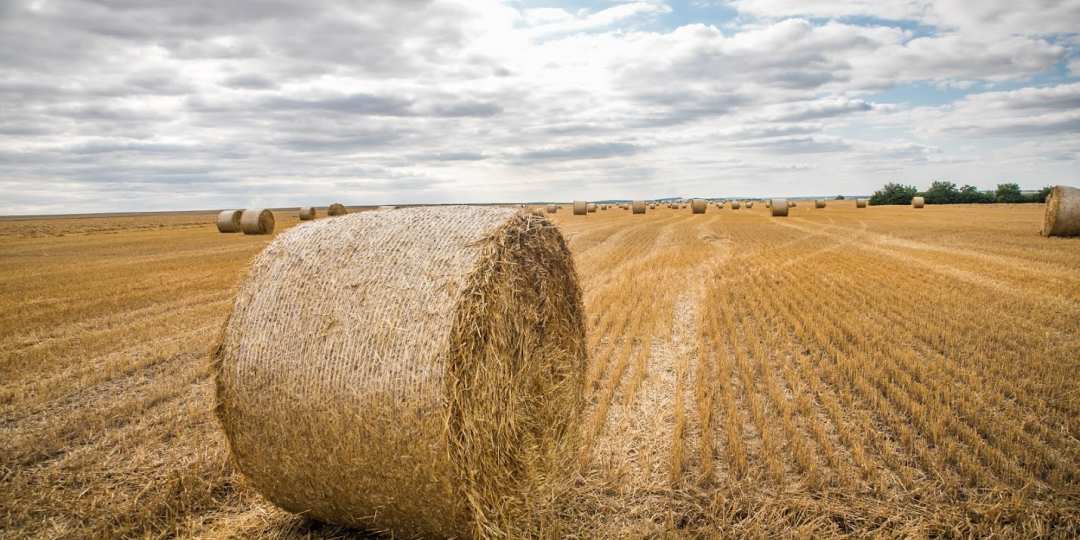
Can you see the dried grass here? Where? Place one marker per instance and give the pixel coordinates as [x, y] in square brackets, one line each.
[426, 378]
[552, 208]
[257, 221]
[1062, 217]
[228, 221]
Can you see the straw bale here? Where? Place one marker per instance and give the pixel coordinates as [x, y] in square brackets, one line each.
[819, 203]
[228, 221]
[307, 213]
[918, 202]
[1062, 217]
[418, 372]
[337, 209]
[735, 205]
[581, 208]
[638, 207]
[257, 221]
[552, 208]
[779, 207]
[749, 204]
[860, 203]
[698, 206]
[591, 207]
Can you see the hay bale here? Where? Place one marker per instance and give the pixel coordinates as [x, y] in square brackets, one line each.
[228, 221]
[749, 204]
[819, 203]
[735, 205]
[603, 207]
[257, 221]
[779, 207]
[860, 203]
[418, 371]
[591, 208]
[698, 206]
[918, 202]
[768, 203]
[581, 208]
[552, 208]
[337, 209]
[638, 207]
[792, 204]
[307, 213]
[1062, 217]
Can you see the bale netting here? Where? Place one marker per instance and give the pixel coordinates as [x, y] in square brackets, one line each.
[860, 203]
[337, 209]
[552, 208]
[819, 203]
[1062, 217]
[425, 379]
[779, 207]
[918, 202]
[698, 206]
[638, 207]
[228, 221]
[307, 213]
[581, 208]
[257, 221]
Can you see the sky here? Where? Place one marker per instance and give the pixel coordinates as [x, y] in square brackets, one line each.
[125, 105]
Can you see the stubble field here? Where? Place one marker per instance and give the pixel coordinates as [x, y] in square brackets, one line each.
[881, 371]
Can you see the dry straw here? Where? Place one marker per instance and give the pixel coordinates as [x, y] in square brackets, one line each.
[581, 208]
[307, 213]
[552, 208]
[779, 207]
[591, 207]
[337, 209]
[1062, 217]
[749, 204]
[819, 203]
[918, 202]
[418, 372]
[860, 203]
[638, 207]
[698, 206]
[228, 221]
[735, 205]
[257, 221]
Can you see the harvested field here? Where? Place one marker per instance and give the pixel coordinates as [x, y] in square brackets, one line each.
[865, 372]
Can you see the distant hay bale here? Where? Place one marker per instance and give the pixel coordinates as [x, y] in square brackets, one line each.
[735, 205]
[591, 208]
[768, 203]
[392, 207]
[581, 208]
[418, 372]
[257, 221]
[638, 207]
[860, 203]
[337, 209]
[792, 204]
[307, 213]
[603, 207]
[779, 207]
[228, 221]
[819, 203]
[1062, 216]
[698, 206]
[918, 202]
[749, 204]
[552, 208]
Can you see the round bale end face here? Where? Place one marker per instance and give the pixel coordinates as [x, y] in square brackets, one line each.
[379, 399]
[257, 221]
[228, 221]
[1062, 216]
[779, 207]
[918, 202]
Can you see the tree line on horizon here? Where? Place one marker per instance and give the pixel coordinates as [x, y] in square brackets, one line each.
[944, 192]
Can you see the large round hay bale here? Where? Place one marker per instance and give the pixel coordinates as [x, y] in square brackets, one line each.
[591, 207]
[1062, 217]
[581, 208]
[698, 206]
[819, 203]
[337, 209]
[792, 204]
[418, 372]
[307, 213]
[749, 204]
[638, 207]
[918, 202]
[257, 221]
[228, 221]
[552, 208]
[779, 207]
[735, 205]
[603, 207]
[860, 203]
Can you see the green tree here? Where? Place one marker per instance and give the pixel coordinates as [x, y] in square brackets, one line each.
[893, 193]
[942, 192]
[1008, 193]
[971, 195]
[1042, 195]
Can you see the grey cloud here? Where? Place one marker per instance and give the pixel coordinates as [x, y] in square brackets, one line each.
[249, 81]
[581, 151]
[796, 145]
